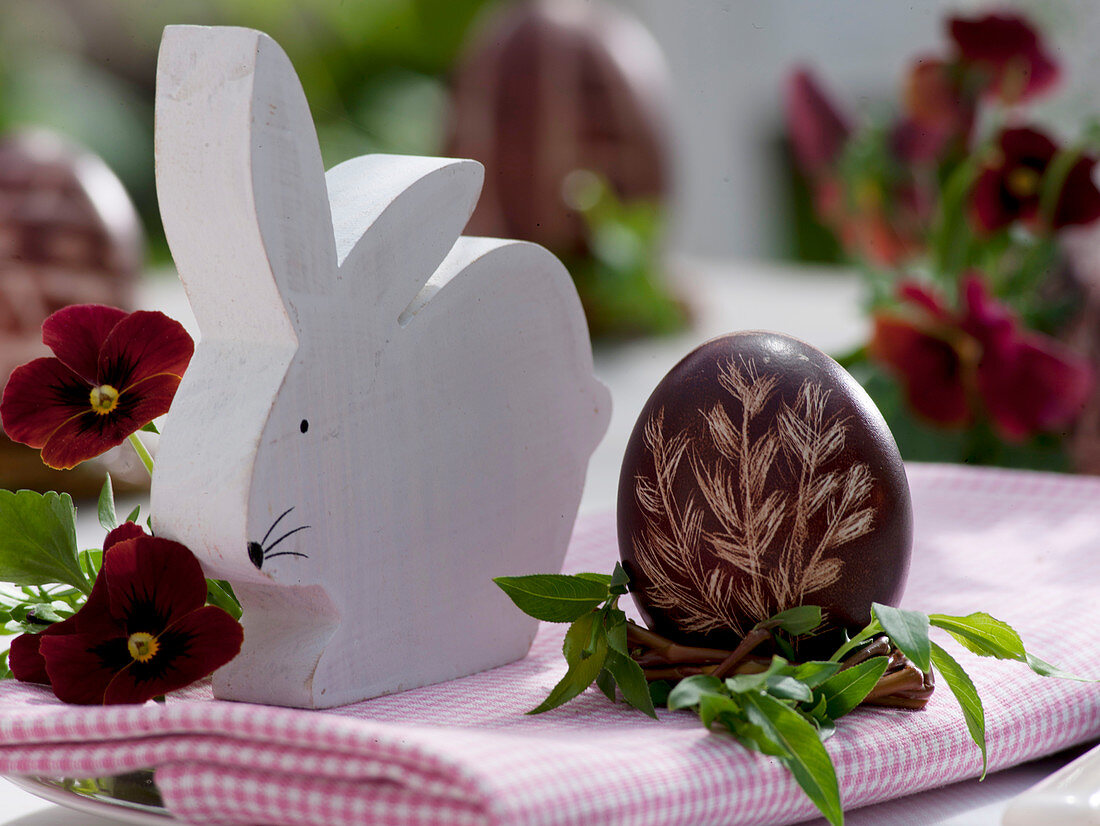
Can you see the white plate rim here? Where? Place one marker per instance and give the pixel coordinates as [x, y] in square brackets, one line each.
[88, 805]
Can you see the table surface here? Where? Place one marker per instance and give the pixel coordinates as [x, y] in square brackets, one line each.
[820, 306]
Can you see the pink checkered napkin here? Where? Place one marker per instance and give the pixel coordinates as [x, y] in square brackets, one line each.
[1023, 546]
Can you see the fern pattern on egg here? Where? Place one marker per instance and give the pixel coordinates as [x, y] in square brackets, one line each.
[759, 478]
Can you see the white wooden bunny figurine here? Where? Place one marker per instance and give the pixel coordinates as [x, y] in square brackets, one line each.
[381, 415]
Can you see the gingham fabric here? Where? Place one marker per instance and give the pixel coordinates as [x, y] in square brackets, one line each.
[1023, 546]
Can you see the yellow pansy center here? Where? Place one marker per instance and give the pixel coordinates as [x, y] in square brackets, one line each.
[104, 399]
[142, 646]
[1023, 181]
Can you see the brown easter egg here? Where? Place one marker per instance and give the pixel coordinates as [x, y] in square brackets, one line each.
[760, 476]
[549, 87]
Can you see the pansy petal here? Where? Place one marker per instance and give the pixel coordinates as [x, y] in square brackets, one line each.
[1023, 143]
[193, 647]
[1008, 46]
[40, 397]
[76, 334]
[152, 582]
[1079, 202]
[144, 344]
[83, 437]
[81, 666]
[89, 434]
[990, 209]
[927, 367]
[913, 292]
[93, 618]
[142, 402]
[127, 530]
[984, 318]
[817, 128]
[25, 660]
[1040, 387]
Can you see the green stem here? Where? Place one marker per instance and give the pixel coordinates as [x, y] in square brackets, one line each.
[950, 240]
[142, 453]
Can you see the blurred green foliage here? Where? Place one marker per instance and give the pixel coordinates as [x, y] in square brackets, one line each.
[374, 72]
[621, 279]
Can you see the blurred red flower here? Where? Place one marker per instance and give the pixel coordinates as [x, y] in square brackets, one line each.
[144, 631]
[978, 361]
[1010, 188]
[938, 113]
[817, 127]
[1009, 51]
[114, 372]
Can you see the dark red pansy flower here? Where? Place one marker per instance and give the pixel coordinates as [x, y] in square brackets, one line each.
[978, 361]
[818, 130]
[1009, 51]
[26, 661]
[1010, 188]
[144, 631]
[114, 372]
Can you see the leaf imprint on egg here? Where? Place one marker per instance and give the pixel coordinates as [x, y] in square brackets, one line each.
[764, 504]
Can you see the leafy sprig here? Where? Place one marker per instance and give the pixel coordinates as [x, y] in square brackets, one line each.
[44, 577]
[775, 707]
[595, 646]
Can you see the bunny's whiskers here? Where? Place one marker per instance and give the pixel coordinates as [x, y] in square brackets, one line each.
[258, 554]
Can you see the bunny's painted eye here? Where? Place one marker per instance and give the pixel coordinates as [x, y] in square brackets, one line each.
[304, 426]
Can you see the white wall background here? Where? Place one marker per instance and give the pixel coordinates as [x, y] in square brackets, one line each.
[728, 59]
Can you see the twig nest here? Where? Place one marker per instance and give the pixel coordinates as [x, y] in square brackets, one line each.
[760, 476]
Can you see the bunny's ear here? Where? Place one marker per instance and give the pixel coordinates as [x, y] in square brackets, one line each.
[395, 218]
[240, 179]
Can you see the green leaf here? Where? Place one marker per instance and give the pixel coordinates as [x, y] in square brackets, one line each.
[150, 428]
[659, 691]
[846, 689]
[873, 629]
[615, 625]
[603, 579]
[825, 728]
[800, 620]
[632, 683]
[91, 561]
[714, 706]
[5, 672]
[107, 516]
[815, 672]
[133, 517]
[689, 690]
[963, 688]
[42, 613]
[982, 634]
[606, 683]
[553, 597]
[619, 579]
[788, 688]
[908, 630]
[752, 736]
[38, 540]
[583, 669]
[220, 593]
[740, 683]
[988, 636]
[1045, 669]
[806, 756]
